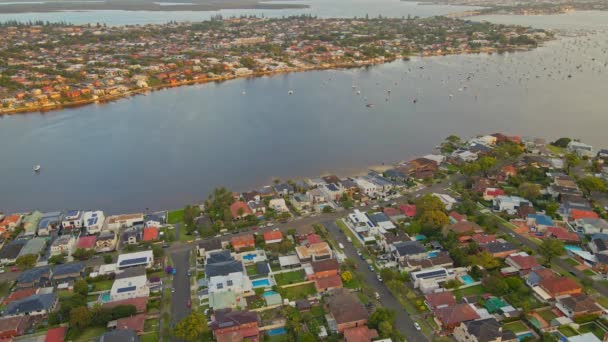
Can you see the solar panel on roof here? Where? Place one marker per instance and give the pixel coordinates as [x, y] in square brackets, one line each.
[432, 274]
[134, 261]
[126, 289]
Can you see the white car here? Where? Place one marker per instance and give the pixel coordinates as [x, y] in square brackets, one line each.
[340, 245]
[348, 239]
[417, 326]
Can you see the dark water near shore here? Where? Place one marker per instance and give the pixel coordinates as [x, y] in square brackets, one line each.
[173, 146]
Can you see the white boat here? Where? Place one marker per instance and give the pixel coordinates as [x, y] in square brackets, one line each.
[37, 168]
[290, 92]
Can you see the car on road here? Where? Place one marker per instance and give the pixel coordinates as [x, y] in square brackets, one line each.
[173, 290]
[379, 278]
[349, 239]
[377, 295]
[417, 326]
[340, 245]
[189, 304]
[371, 268]
[189, 273]
[270, 224]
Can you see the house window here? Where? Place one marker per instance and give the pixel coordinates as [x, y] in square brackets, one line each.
[220, 286]
[229, 282]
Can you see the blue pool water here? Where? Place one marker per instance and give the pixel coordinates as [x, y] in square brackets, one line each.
[432, 254]
[249, 257]
[261, 282]
[467, 280]
[277, 331]
[524, 335]
[420, 237]
[105, 297]
[573, 248]
[269, 293]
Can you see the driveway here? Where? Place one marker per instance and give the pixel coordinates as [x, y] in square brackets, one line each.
[403, 322]
[181, 284]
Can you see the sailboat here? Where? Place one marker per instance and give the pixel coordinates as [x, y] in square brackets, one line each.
[37, 168]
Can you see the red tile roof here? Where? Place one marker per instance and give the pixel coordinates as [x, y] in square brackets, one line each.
[150, 234]
[524, 262]
[19, 294]
[392, 212]
[273, 235]
[135, 323]
[457, 217]
[445, 298]
[242, 241]
[234, 209]
[325, 265]
[577, 214]
[86, 242]
[139, 303]
[483, 238]
[494, 192]
[456, 314]
[330, 282]
[360, 334]
[55, 334]
[465, 227]
[556, 286]
[408, 209]
[314, 238]
[563, 234]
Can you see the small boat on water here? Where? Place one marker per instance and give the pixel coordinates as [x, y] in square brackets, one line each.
[369, 105]
[37, 168]
[290, 92]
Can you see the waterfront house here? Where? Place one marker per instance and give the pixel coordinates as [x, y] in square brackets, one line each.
[150, 234]
[284, 189]
[63, 244]
[94, 221]
[73, 219]
[239, 210]
[132, 236]
[86, 242]
[30, 223]
[580, 149]
[9, 223]
[106, 241]
[345, 310]
[117, 222]
[34, 246]
[49, 222]
[278, 205]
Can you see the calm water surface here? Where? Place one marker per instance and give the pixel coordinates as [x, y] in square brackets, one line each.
[173, 146]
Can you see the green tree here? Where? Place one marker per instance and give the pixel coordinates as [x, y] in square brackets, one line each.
[80, 317]
[486, 163]
[347, 277]
[529, 191]
[25, 262]
[561, 142]
[57, 259]
[470, 169]
[428, 202]
[590, 184]
[82, 287]
[434, 219]
[107, 258]
[572, 160]
[191, 328]
[551, 248]
[157, 251]
[83, 254]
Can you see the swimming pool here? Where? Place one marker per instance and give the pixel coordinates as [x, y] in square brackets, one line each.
[269, 293]
[432, 254]
[467, 280]
[260, 282]
[573, 248]
[277, 331]
[249, 257]
[420, 237]
[104, 297]
[525, 335]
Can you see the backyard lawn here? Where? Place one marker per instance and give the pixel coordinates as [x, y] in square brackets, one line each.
[567, 331]
[251, 270]
[571, 262]
[473, 290]
[90, 334]
[287, 278]
[589, 272]
[547, 315]
[176, 216]
[299, 292]
[151, 337]
[592, 328]
[516, 327]
[102, 285]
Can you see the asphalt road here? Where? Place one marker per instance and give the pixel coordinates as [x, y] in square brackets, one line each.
[181, 284]
[403, 321]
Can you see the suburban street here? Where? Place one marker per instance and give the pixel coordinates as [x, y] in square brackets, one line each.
[181, 284]
[403, 322]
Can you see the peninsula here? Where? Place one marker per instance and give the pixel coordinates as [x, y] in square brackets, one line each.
[51, 66]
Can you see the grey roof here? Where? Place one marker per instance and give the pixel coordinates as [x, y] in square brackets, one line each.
[210, 244]
[283, 187]
[484, 329]
[497, 247]
[599, 244]
[262, 267]
[106, 235]
[225, 318]
[132, 272]
[409, 248]
[222, 263]
[11, 250]
[601, 258]
[34, 275]
[30, 304]
[67, 269]
[126, 335]
[379, 217]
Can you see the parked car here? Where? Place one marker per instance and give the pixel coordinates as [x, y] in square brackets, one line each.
[379, 278]
[340, 245]
[173, 290]
[371, 268]
[349, 239]
[417, 326]
[377, 295]
[189, 304]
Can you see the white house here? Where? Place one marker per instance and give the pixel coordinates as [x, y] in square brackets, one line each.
[72, 220]
[581, 149]
[279, 205]
[447, 200]
[236, 282]
[429, 280]
[465, 156]
[143, 258]
[510, 204]
[117, 222]
[130, 287]
[93, 221]
[367, 187]
[63, 245]
[333, 191]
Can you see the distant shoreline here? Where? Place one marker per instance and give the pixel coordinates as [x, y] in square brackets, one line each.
[53, 7]
[139, 91]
